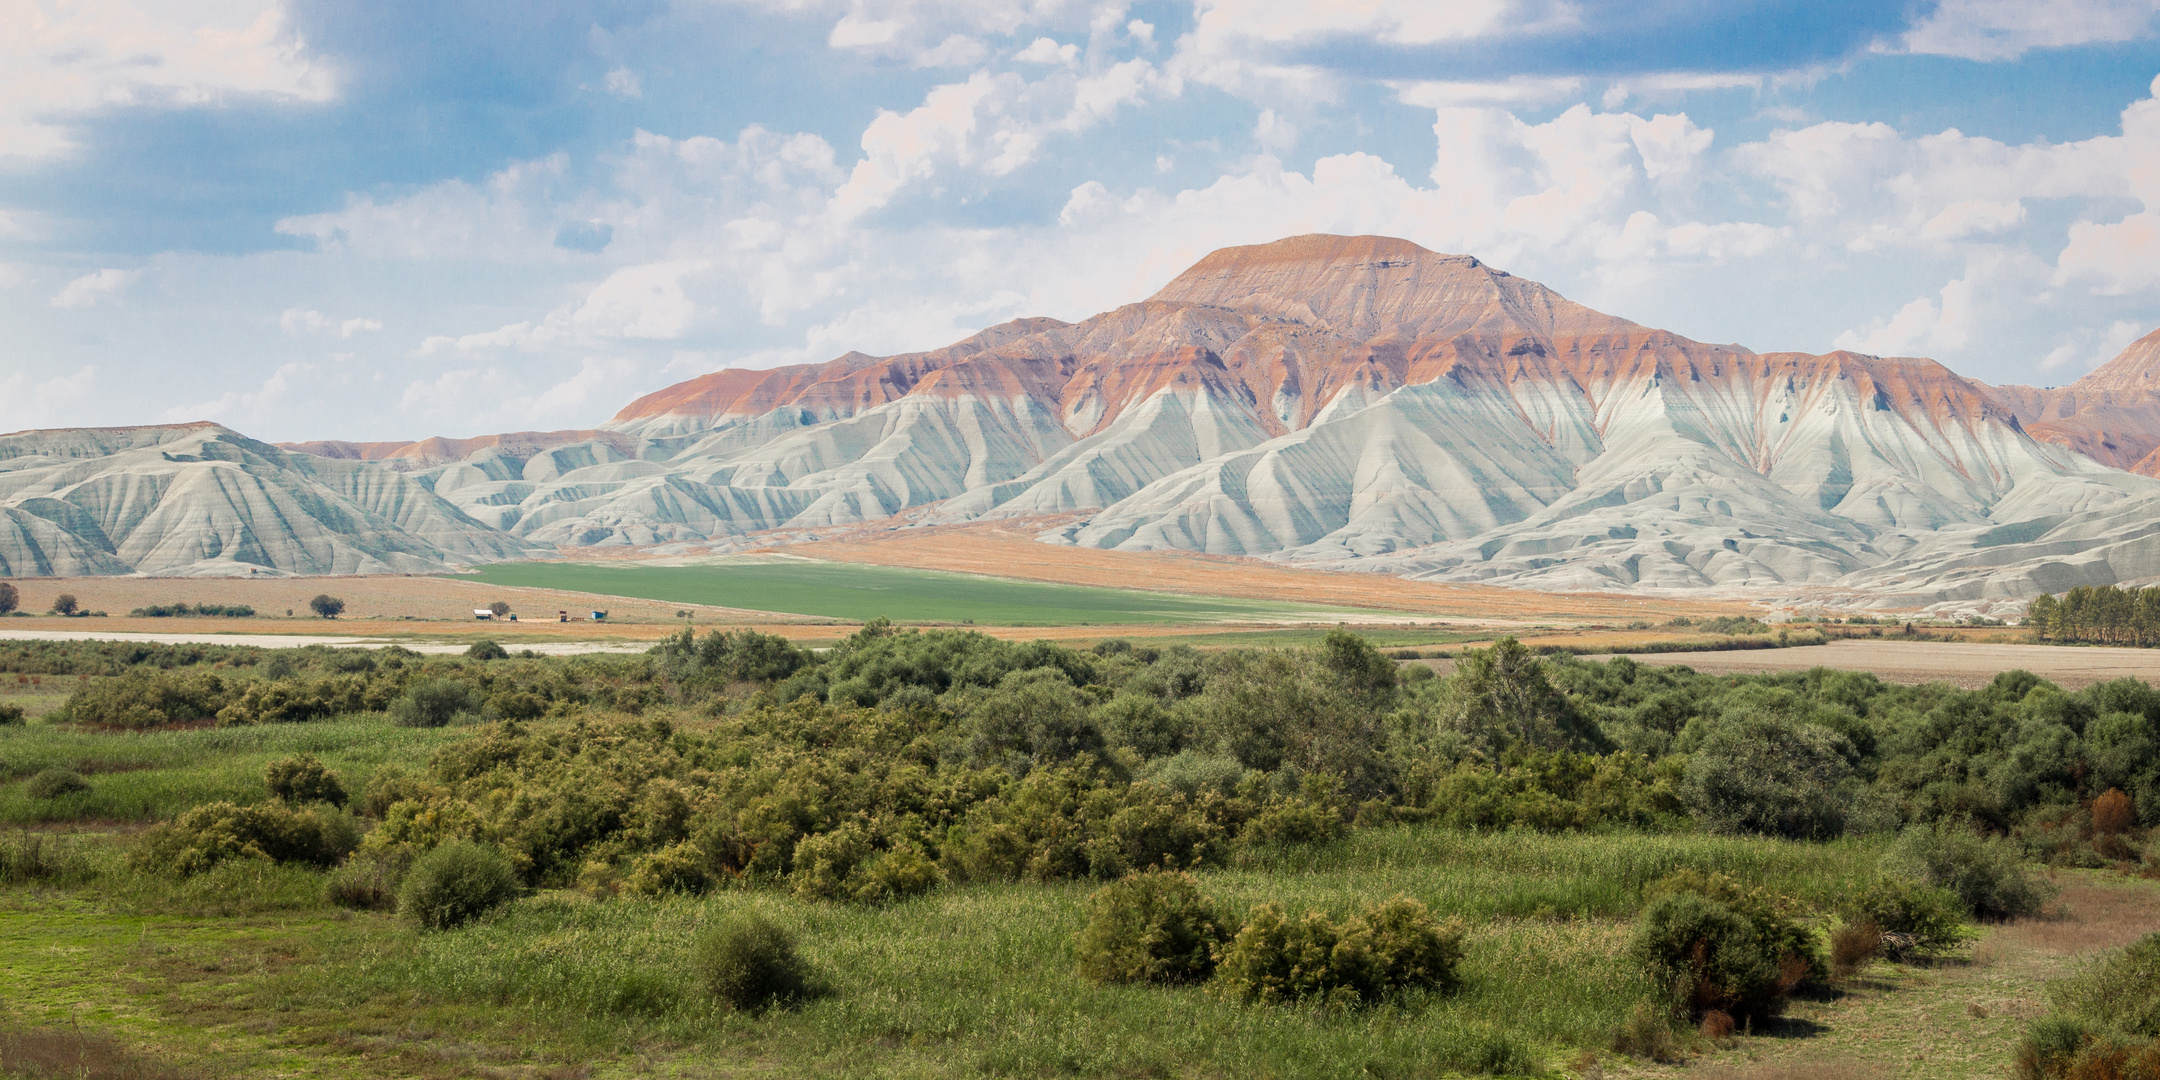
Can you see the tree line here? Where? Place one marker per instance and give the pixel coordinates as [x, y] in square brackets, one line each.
[2099, 614]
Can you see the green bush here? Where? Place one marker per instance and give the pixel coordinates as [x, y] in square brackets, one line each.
[56, 782]
[302, 779]
[1769, 777]
[1394, 947]
[10, 715]
[751, 964]
[486, 650]
[677, 868]
[433, 703]
[1791, 947]
[456, 883]
[1988, 875]
[220, 831]
[1706, 956]
[1149, 927]
[894, 875]
[1933, 917]
[143, 699]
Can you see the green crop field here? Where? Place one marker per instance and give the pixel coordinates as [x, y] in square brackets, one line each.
[853, 591]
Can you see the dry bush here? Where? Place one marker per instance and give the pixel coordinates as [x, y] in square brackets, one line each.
[2113, 814]
[1852, 946]
[1716, 1025]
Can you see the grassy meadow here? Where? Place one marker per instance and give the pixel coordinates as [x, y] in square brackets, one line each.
[934, 818]
[862, 592]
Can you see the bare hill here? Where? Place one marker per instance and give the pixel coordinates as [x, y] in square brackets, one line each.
[199, 500]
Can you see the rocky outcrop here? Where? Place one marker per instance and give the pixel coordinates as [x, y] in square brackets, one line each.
[199, 500]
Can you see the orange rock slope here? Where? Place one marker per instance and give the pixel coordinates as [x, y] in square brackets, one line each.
[2111, 416]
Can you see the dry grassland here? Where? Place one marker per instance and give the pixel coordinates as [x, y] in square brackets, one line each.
[378, 606]
[1009, 550]
[1969, 664]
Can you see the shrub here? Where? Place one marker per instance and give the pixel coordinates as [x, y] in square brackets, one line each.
[368, 881]
[486, 650]
[327, 606]
[456, 883]
[10, 599]
[677, 868]
[1853, 945]
[1149, 927]
[56, 782]
[1931, 917]
[302, 779]
[1292, 821]
[1647, 1033]
[10, 715]
[1396, 946]
[2122, 994]
[220, 831]
[433, 703]
[2113, 814]
[1769, 777]
[500, 608]
[1988, 875]
[1790, 946]
[141, 699]
[751, 964]
[1706, 955]
[894, 875]
[66, 604]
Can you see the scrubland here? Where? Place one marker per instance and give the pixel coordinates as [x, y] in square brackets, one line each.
[213, 861]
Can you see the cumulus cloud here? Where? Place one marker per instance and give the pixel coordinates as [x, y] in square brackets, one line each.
[30, 402]
[92, 289]
[297, 323]
[59, 59]
[492, 398]
[2008, 29]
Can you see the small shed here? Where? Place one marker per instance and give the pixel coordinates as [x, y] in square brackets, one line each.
[599, 616]
[482, 613]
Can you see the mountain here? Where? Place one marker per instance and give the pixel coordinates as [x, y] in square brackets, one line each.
[2111, 416]
[1363, 403]
[201, 501]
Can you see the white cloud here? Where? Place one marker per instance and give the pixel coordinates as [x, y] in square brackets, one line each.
[243, 410]
[990, 125]
[2080, 350]
[623, 82]
[296, 322]
[60, 58]
[514, 215]
[27, 402]
[1519, 90]
[1047, 51]
[477, 400]
[2007, 29]
[91, 289]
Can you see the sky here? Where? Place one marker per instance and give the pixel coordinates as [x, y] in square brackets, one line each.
[390, 219]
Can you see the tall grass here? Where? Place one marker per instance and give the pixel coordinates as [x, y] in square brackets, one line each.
[151, 775]
[980, 979]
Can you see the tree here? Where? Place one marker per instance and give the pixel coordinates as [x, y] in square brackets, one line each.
[499, 608]
[65, 604]
[327, 606]
[9, 598]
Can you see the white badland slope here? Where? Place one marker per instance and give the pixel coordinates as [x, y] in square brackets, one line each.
[199, 500]
[1361, 402]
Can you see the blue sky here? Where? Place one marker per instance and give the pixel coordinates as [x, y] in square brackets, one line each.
[402, 218]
